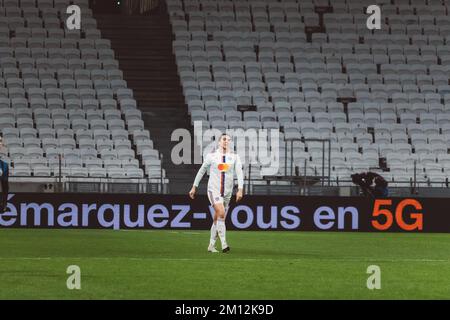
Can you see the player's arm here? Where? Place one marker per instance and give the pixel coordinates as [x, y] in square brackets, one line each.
[240, 178]
[201, 172]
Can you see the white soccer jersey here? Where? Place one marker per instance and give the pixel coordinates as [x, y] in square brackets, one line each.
[221, 172]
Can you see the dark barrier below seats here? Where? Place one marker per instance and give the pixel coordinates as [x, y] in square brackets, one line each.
[283, 213]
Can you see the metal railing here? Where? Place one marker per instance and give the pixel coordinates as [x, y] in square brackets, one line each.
[297, 183]
[323, 141]
[86, 184]
[61, 182]
[282, 186]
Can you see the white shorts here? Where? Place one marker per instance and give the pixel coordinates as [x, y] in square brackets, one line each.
[215, 197]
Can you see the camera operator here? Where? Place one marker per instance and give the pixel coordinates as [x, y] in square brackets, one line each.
[366, 179]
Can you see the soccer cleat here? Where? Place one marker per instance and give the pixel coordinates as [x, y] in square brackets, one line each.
[227, 249]
[212, 249]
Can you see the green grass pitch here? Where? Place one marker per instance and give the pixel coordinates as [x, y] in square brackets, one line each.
[261, 265]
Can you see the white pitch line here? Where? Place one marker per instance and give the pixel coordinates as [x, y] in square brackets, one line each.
[177, 232]
[237, 259]
[185, 232]
[128, 230]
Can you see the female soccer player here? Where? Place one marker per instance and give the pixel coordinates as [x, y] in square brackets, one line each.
[222, 164]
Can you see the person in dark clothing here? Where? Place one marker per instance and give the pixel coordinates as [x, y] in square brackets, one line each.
[366, 180]
[4, 174]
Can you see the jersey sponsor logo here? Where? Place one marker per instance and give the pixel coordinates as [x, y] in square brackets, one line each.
[223, 167]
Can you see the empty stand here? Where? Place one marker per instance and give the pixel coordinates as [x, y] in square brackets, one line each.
[64, 98]
[315, 71]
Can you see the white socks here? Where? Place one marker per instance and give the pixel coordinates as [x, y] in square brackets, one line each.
[212, 240]
[222, 232]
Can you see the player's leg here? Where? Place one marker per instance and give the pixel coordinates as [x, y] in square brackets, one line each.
[221, 230]
[214, 235]
[226, 203]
